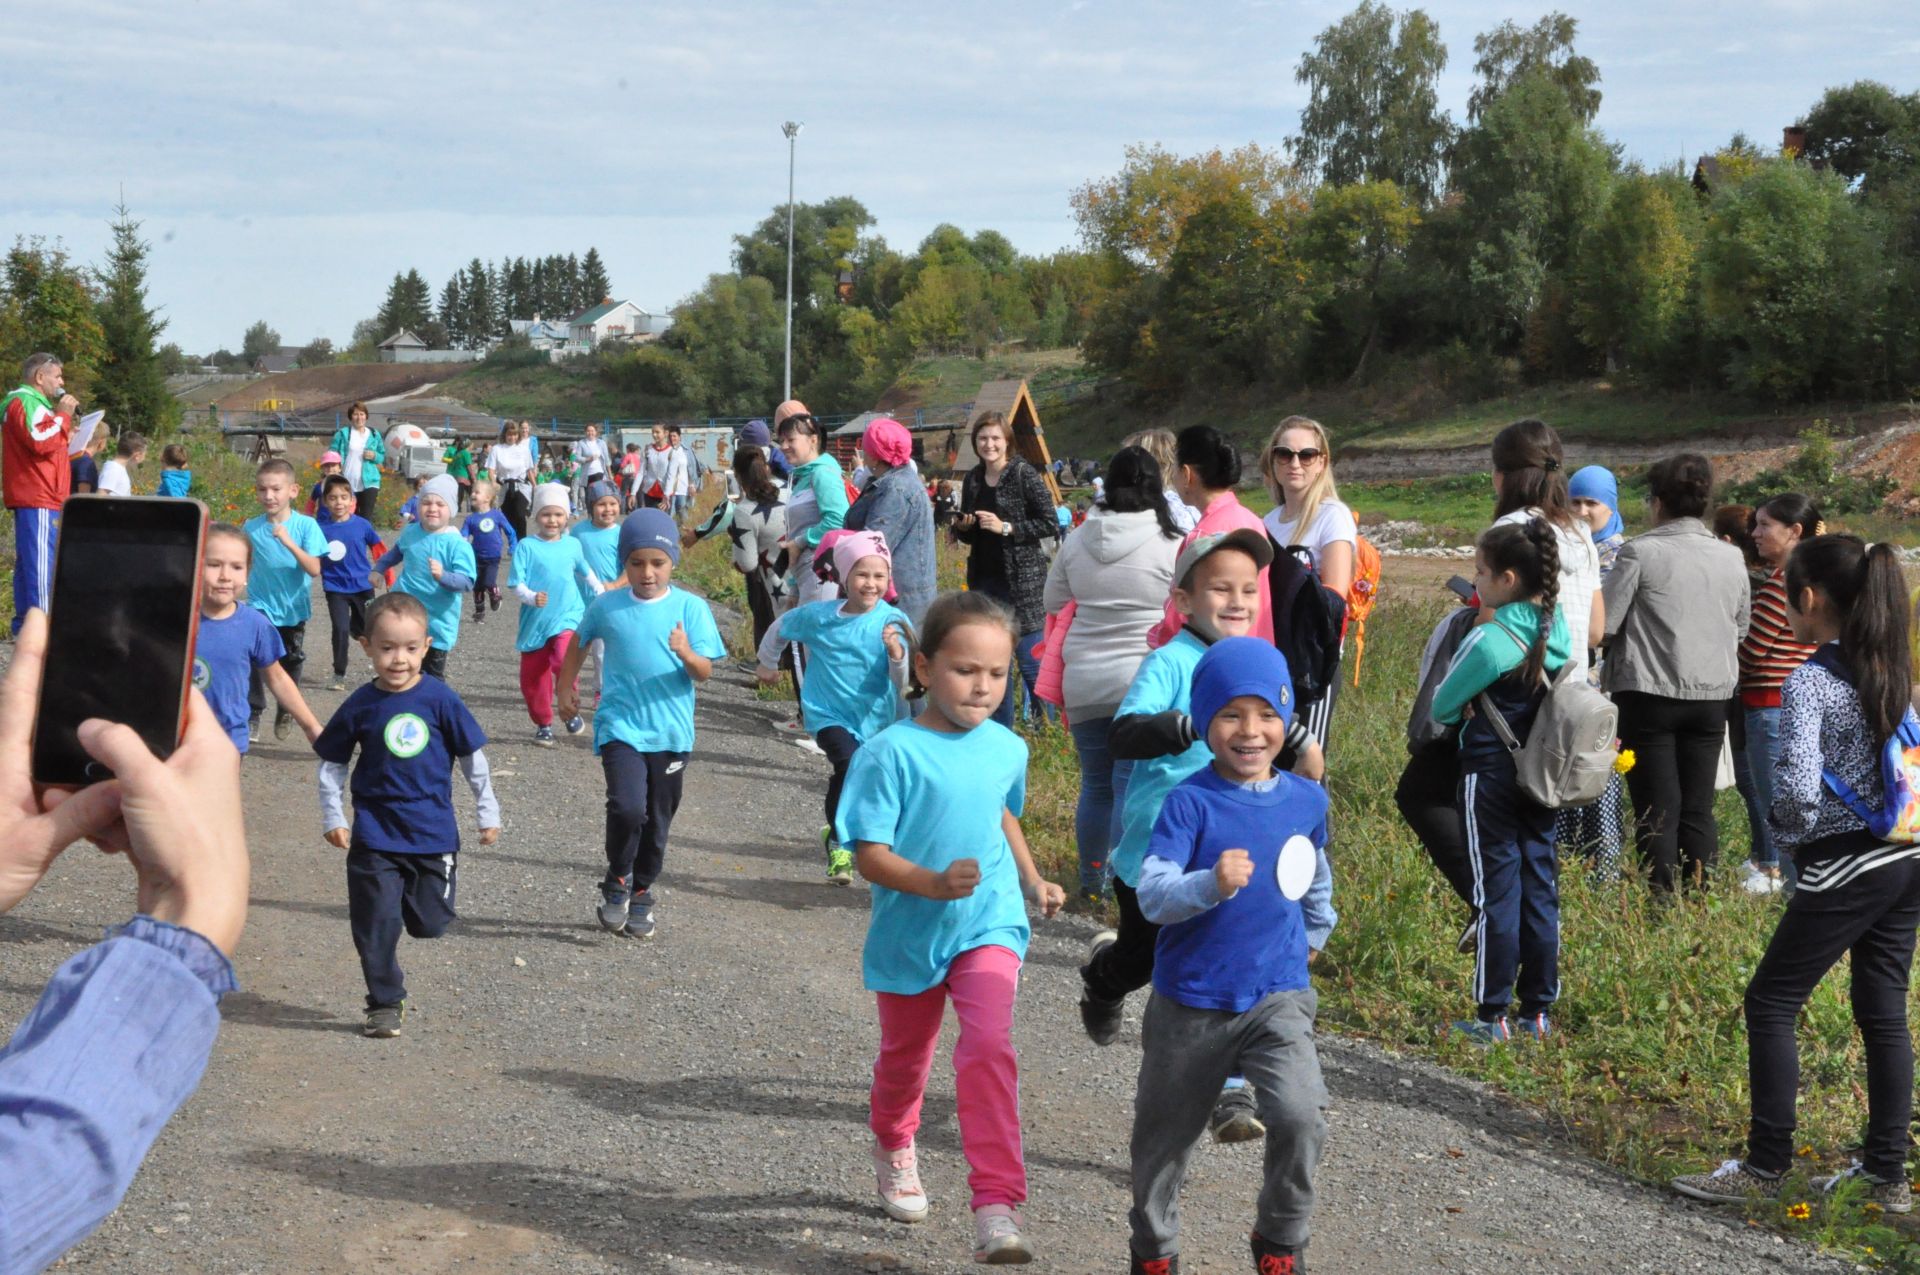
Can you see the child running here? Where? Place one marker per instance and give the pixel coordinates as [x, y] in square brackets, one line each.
[1504, 666]
[550, 577]
[599, 536]
[287, 548]
[492, 538]
[437, 567]
[404, 841]
[659, 643]
[1859, 893]
[859, 647]
[329, 465]
[175, 478]
[1232, 852]
[236, 642]
[347, 575]
[931, 809]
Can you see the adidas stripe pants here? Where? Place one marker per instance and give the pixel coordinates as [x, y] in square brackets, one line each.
[35, 534]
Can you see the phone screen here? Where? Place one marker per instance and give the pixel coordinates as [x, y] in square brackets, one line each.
[125, 609]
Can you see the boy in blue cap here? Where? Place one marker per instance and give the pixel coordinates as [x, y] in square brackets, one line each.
[1232, 853]
[658, 643]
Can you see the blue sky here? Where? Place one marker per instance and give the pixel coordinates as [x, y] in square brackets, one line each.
[288, 158]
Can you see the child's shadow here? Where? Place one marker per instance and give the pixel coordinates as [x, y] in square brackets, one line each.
[257, 1011]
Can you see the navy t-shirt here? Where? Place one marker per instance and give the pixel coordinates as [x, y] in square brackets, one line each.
[348, 564]
[85, 471]
[403, 785]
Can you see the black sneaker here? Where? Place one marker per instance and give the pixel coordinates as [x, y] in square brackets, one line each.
[1101, 1019]
[1235, 1117]
[640, 916]
[493, 599]
[383, 1021]
[1274, 1259]
[612, 911]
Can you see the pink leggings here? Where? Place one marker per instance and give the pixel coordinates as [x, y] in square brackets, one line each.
[986, 1074]
[538, 669]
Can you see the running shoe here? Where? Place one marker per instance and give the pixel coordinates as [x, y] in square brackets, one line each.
[1275, 1259]
[1535, 1027]
[1235, 1117]
[1483, 1033]
[640, 916]
[383, 1021]
[612, 912]
[897, 1177]
[543, 736]
[282, 720]
[997, 1240]
[253, 730]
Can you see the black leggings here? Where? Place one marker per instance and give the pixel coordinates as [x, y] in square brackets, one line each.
[294, 639]
[348, 614]
[760, 604]
[434, 663]
[1873, 916]
[515, 506]
[1126, 964]
[366, 502]
[1428, 798]
[1676, 745]
[838, 743]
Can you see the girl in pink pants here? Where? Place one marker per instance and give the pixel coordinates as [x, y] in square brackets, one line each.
[551, 578]
[930, 809]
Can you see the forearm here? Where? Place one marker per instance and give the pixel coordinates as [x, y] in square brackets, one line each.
[571, 665]
[1316, 907]
[1030, 878]
[333, 795]
[287, 693]
[1142, 736]
[480, 780]
[308, 563]
[458, 581]
[769, 653]
[880, 865]
[527, 596]
[698, 666]
[1169, 895]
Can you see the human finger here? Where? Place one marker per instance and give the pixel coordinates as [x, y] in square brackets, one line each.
[20, 694]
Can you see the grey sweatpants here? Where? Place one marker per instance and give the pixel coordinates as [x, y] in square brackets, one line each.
[1186, 1055]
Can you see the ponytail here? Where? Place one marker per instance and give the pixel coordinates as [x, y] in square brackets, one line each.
[1531, 551]
[1867, 588]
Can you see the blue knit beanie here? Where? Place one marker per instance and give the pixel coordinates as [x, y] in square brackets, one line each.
[1238, 666]
[597, 492]
[649, 529]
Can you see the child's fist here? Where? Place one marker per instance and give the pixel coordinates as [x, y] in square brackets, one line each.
[1050, 898]
[677, 642]
[433, 565]
[337, 838]
[960, 878]
[489, 835]
[539, 599]
[1233, 869]
[767, 676]
[896, 645]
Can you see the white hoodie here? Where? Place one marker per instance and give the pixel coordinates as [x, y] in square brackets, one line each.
[1118, 569]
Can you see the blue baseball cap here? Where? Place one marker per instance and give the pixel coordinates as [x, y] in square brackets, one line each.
[649, 529]
[1238, 666]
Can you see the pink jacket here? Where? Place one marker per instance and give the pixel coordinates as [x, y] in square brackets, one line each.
[1223, 514]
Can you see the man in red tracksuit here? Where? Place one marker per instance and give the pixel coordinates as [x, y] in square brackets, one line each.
[35, 476]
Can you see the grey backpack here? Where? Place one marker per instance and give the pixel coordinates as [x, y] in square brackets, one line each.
[1569, 755]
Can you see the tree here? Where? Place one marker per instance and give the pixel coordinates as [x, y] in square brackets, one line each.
[316, 353]
[1373, 108]
[1138, 213]
[47, 303]
[478, 301]
[453, 310]
[173, 360]
[409, 304]
[1865, 132]
[826, 240]
[1357, 236]
[131, 386]
[1508, 53]
[731, 334]
[594, 284]
[260, 339]
[1635, 271]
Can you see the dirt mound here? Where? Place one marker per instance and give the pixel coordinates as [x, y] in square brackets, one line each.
[321, 389]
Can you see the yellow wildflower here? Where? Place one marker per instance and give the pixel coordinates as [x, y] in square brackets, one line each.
[1624, 762]
[1800, 1212]
[1807, 1151]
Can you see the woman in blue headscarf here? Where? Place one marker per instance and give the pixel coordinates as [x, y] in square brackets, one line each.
[1596, 498]
[1596, 830]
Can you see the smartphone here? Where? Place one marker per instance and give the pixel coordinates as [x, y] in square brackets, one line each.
[1462, 586]
[124, 614]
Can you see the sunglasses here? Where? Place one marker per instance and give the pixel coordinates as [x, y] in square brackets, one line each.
[1306, 455]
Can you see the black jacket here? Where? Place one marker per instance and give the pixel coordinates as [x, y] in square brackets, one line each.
[1012, 568]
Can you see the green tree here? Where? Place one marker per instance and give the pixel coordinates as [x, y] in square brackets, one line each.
[1137, 214]
[827, 238]
[1866, 132]
[259, 339]
[453, 310]
[409, 304]
[131, 385]
[1373, 108]
[316, 353]
[173, 360]
[481, 320]
[1509, 52]
[594, 284]
[47, 303]
[1635, 271]
[1356, 237]
[731, 334]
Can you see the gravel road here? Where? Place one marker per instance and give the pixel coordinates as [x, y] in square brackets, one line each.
[564, 1100]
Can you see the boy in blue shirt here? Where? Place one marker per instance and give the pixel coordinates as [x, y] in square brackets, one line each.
[437, 567]
[235, 642]
[659, 643]
[347, 576]
[492, 538]
[287, 548]
[1232, 853]
[403, 840]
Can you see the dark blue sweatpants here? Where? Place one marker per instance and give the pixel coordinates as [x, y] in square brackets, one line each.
[1516, 886]
[385, 893]
[643, 794]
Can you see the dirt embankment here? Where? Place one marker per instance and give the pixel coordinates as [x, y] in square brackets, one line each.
[322, 389]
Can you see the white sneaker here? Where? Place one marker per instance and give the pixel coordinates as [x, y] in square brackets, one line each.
[897, 1174]
[1101, 942]
[1756, 881]
[997, 1240]
[806, 742]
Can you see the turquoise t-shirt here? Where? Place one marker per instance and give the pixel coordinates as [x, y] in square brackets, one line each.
[934, 797]
[1164, 681]
[551, 567]
[444, 605]
[276, 586]
[602, 545]
[646, 693]
[847, 682]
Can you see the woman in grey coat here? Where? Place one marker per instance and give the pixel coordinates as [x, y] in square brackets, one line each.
[895, 505]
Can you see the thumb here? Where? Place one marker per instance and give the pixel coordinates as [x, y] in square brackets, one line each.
[121, 750]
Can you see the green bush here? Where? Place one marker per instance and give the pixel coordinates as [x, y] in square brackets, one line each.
[1815, 473]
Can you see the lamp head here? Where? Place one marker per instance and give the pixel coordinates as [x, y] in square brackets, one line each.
[791, 129]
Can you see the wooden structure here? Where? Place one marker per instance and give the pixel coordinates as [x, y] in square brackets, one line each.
[1011, 400]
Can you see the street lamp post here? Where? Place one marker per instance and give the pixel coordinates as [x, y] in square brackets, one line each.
[792, 130]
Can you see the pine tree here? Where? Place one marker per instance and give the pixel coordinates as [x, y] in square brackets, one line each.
[419, 296]
[537, 289]
[593, 278]
[577, 299]
[477, 292]
[131, 385]
[453, 313]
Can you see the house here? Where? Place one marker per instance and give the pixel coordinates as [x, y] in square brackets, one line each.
[1711, 172]
[397, 347]
[613, 321]
[286, 359]
[541, 334]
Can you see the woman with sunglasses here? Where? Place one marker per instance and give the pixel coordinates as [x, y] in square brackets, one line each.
[1307, 513]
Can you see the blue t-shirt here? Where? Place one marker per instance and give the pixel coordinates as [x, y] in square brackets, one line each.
[847, 682]
[224, 655]
[403, 785]
[934, 797]
[347, 566]
[1163, 682]
[552, 567]
[175, 482]
[420, 548]
[646, 693]
[1242, 950]
[490, 534]
[409, 511]
[603, 553]
[276, 585]
[85, 472]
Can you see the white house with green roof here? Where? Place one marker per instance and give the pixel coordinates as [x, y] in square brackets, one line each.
[609, 321]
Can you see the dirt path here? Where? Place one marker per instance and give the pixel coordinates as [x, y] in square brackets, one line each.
[567, 1101]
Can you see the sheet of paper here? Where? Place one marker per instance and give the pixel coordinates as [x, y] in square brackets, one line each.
[83, 431]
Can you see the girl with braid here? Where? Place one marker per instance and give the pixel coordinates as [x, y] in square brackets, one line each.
[1503, 666]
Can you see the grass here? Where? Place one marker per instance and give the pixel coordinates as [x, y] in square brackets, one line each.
[950, 380]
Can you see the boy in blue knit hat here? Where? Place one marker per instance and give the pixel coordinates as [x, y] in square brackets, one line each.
[1232, 853]
[658, 643]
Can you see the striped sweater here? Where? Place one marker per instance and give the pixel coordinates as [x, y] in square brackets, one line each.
[1768, 653]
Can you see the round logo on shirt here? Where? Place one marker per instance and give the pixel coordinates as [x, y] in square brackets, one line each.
[1293, 869]
[202, 675]
[406, 736]
[486, 526]
[336, 551]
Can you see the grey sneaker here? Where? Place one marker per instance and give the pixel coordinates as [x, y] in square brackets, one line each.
[282, 720]
[1893, 1197]
[337, 684]
[612, 911]
[640, 916]
[383, 1021]
[997, 1240]
[253, 730]
[1235, 1117]
[1732, 1183]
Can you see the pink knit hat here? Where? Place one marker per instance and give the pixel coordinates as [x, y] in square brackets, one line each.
[888, 442]
[853, 546]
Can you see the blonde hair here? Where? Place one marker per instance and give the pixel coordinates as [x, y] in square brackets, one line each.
[1319, 491]
[1157, 443]
[487, 490]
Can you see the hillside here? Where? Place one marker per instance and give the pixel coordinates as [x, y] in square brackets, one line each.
[322, 389]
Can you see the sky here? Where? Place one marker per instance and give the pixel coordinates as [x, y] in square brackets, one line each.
[287, 159]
